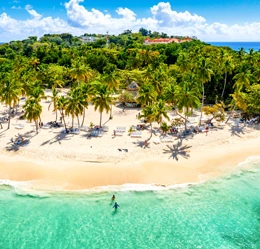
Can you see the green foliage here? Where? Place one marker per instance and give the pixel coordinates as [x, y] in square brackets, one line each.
[177, 73]
[164, 127]
[217, 111]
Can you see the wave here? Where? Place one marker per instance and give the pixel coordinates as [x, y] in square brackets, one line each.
[36, 189]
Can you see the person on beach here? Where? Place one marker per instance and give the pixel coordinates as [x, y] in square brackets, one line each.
[113, 198]
[116, 206]
[207, 129]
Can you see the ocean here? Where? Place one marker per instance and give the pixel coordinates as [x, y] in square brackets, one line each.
[220, 213]
[238, 45]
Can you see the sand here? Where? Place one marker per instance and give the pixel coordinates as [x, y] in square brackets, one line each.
[52, 159]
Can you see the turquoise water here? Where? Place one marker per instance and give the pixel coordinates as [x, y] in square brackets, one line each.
[238, 45]
[221, 213]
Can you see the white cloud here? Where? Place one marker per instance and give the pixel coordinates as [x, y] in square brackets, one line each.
[32, 12]
[16, 7]
[163, 18]
[167, 17]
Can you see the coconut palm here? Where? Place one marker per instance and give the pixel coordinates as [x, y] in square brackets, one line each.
[61, 106]
[76, 102]
[243, 79]
[102, 99]
[164, 127]
[54, 98]
[112, 81]
[187, 99]
[169, 92]
[36, 91]
[87, 90]
[228, 67]
[81, 71]
[203, 73]
[33, 110]
[146, 94]
[184, 63]
[161, 111]
[149, 114]
[10, 91]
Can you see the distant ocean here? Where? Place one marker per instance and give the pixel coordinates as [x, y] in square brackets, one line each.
[220, 213]
[238, 45]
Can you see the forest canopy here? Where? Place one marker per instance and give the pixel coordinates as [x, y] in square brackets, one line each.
[165, 72]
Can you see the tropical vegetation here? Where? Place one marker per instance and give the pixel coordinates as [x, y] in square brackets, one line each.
[183, 76]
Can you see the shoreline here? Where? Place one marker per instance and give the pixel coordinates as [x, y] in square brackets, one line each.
[82, 176]
[77, 162]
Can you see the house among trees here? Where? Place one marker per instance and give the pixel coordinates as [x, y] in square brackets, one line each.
[149, 41]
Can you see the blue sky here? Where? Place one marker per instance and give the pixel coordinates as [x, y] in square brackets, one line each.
[221, 20]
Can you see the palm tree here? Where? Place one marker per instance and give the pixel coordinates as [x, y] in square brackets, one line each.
[102, 99]
[164, 127]
[187, 99]
[76, 103]
[161, 111]
[36, 91]
[184, 63]
[81, 71]
[243, 79]
[146, 95]
[87, 90]
[61, 106]
[228, 67]
[112, 81]
[10, 91]
[203, 73]
[169, 92]
[33, 110]
[149, 114]
[54, 98]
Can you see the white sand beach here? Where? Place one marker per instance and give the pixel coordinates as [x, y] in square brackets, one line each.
[77, 161]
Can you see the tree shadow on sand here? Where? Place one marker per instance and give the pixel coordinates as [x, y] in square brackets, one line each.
[237, 130]
[142, 144]
[57, 139]
[16, 147]
[177, 150]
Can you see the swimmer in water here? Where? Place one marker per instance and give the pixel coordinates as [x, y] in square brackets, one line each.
[116, 206]
[113, 198]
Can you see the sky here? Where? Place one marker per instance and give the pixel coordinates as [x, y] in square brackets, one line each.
[219, 20]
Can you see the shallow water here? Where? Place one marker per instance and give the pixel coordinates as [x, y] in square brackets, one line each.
[221, 213]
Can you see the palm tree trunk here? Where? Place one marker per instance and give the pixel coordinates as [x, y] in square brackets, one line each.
[100, 119]
[62, 115]
[56, 116]
[181, 116]
[1, 125]
[36, 126]
[72, 122]
[83, 119]
[232, 109]
[111, 112]
[151, 130]
[78, 120]
[9, 118]
[202, 102]
[225, 82]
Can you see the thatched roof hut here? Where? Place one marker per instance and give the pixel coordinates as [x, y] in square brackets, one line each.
[132, 87]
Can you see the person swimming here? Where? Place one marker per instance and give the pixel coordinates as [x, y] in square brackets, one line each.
[113, 198]
[116, 206]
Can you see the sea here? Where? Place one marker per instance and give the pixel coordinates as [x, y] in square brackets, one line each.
[222, 213]
[238, 45]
